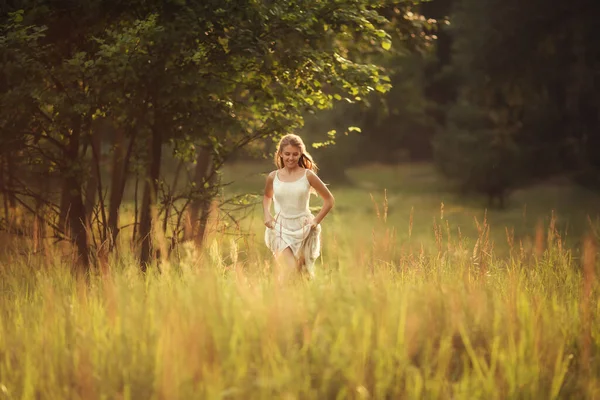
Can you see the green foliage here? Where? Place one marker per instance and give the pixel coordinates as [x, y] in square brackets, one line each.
[18, 47]
[478, 151]
[536, 64]
[397, 127]
[394, 123]
[199, 75]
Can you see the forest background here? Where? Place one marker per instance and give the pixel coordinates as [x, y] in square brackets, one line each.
[110, 107]
[459, 137]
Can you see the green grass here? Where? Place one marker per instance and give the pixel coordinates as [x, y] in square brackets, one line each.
[414, 192]
[385, 318]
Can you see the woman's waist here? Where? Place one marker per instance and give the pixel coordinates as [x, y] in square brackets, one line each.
[293, 214]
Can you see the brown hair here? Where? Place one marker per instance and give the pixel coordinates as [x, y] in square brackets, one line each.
[305, 161]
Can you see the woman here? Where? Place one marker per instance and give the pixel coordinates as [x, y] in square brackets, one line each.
[293, 234]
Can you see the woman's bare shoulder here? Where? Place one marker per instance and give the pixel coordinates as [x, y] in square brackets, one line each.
[271, 175]
[311, 175]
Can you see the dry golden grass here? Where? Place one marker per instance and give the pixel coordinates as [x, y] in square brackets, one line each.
[380, 321]
[427, 308]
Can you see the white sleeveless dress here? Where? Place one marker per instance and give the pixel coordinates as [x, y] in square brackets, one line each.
[292, 222]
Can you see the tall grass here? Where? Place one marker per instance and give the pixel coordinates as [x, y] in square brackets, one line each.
[381, 320]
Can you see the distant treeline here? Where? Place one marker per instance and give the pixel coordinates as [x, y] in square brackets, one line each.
[508, 93]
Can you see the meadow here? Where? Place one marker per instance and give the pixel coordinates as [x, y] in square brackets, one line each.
[420, 294]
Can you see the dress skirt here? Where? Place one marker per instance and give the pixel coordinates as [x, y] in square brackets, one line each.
[296, 234]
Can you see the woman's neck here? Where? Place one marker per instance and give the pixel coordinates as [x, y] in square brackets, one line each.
[291, 171]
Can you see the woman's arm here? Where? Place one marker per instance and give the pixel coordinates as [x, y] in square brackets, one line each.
[328, 200]
[267, 197]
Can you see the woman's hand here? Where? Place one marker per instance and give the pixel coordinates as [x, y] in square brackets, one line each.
[312, 224]
[270, 223]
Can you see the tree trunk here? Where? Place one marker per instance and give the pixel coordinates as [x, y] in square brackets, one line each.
[72, 206]
[7, 187]
[39, 227]
[150, 197]
[205, 210]
[93, 184]
[120, 166]
[136, 209]
[10, 181]
[64, 209]
[4, 186]
[203, 169]
[170, 204]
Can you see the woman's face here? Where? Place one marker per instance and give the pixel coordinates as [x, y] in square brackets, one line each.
[291, 155]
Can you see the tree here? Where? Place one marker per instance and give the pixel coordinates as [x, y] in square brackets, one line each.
[478, 151]
[392, 124]
[204, 79]
[536, 71]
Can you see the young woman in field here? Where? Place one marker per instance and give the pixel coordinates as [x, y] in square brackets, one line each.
[294, 234]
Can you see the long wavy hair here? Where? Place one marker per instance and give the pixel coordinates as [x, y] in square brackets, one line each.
[305, 161]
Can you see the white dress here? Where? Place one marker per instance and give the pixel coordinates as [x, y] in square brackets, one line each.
[292, 222]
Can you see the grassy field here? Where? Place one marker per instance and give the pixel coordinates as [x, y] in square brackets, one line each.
[413, 202]
[403, 306]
